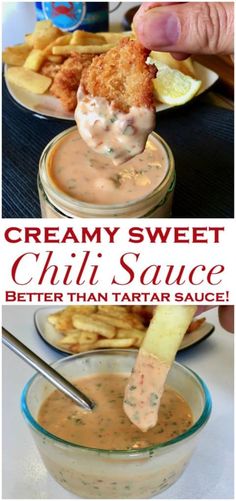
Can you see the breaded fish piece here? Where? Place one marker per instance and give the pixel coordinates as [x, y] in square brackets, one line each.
[49, 69]
[67, 79]
[121, 76]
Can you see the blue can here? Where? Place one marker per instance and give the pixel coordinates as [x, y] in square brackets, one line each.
[70, 16]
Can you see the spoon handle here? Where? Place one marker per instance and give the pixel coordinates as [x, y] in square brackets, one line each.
[46, 370]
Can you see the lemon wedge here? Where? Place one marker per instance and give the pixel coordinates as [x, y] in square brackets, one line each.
[174, 87]
[186, 66]
[171, 86]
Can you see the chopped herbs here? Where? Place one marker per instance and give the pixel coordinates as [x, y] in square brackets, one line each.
[80, 421]
[153, 399]
[107, 427]
[80, 172]
[110, 151]
[117, 180]
[129, 402]
[136, 416]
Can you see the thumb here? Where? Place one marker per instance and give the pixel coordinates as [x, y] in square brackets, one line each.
[191, 28]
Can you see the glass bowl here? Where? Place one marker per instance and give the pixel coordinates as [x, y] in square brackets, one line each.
[96, 473]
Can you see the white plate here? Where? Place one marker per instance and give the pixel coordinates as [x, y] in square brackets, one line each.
[51, 336]
[47, 106]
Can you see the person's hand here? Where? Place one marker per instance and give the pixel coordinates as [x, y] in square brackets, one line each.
[186, 28]
[226, 315]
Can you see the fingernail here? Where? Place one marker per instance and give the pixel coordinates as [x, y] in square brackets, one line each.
[160, 29]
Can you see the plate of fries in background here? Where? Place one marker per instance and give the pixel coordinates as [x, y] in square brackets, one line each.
[42, 74]
[76, 329]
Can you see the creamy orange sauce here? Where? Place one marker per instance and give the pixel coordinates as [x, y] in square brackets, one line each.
[144, 390]
[108, 131]
[107, 427]
[84, 175]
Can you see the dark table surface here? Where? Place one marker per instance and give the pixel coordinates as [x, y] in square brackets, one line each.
[200, 135]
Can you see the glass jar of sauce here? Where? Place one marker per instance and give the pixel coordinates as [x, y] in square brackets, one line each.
[75, 182]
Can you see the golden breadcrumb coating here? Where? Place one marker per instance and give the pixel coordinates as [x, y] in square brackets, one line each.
[67, 79]
[49, 69]
[121, 76]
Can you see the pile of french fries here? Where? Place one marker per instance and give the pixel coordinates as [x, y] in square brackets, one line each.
[85, 328]
[48, 43]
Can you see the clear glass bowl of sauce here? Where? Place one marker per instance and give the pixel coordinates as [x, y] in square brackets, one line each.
[74, 181]
[91, 472]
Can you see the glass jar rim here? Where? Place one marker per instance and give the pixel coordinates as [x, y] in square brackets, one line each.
[202, 420]
[51, 190]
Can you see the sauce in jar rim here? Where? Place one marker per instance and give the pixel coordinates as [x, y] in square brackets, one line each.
[77, 172]
[57, 204]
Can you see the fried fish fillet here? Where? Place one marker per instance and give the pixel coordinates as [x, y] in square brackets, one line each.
[121, 76]
[49, 69]
[67, 79]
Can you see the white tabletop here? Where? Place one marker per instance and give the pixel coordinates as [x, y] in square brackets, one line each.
[210, 472]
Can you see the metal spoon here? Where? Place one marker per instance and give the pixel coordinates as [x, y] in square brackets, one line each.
[46, 370]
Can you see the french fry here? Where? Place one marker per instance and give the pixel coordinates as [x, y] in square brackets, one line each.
[34, 60]
[155, 356]
[13, 59]
[137, 342]
[69, 339]
[55, 59]
[80, 37]
[133, 333]
[88, 337]
[42, 38]
[116, 322]
[112, 37]
[84, 323]
[62, 319]
[81, 49]
[136, 321]
[79, 348]
[113, 311]
[29, 80]
[81, 337]
[123, 314]
[29, 40]
[166, 331]
[84, 328]
[22, 48]
[17, 55]
[43, 25]
[62, 40]
[113, 343]
[85, 309]
[40, 27]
